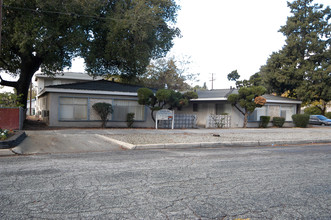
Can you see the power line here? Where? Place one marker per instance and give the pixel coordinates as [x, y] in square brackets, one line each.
[58, 12]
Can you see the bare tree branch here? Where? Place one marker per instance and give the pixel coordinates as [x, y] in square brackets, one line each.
[7, 83]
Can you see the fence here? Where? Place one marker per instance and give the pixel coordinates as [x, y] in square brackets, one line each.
[12, 118]
[218, 121]
[181, 121]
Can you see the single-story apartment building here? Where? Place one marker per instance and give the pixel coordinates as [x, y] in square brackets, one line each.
[70, 105]
[214, 102]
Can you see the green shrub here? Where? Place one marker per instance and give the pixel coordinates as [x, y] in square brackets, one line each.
[300, 120]
[312, 110]
[278, 121]
[130, 119]
[103, 109]
[328, 115]
[264, 121]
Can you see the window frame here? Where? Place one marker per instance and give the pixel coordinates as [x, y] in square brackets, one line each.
[281, 108]
[89, 109]
[73, 97]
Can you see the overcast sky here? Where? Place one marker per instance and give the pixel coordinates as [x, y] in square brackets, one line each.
[220, 36]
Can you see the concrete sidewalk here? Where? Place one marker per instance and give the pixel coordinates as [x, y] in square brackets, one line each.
[99, 140]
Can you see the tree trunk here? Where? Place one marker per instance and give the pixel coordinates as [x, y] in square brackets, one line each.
[322, 107]
[245, 119]
[29, 65]
[152, 114]
[245, 114]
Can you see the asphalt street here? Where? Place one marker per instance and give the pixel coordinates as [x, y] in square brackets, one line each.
[226, 183]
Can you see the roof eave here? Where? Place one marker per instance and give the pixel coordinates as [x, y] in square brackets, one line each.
[92, 92]
[284, 101]
[209, 99]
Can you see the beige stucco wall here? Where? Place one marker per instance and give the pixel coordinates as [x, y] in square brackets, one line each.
[274, 111]
[237, 118]
[94, 121]
[207, 108]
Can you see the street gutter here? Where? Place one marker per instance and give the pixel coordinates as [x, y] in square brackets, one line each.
[211, 144]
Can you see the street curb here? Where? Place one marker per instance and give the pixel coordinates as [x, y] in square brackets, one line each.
[13, 141]
[6, 152]
[211, 144]
[7, 147]
[121, 143]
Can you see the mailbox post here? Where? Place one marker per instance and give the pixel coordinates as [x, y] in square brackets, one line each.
[165, 115]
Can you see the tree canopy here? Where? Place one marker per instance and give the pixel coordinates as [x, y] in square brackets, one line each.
[302, 67]
[254, 80]
[233, 76]
[167, 73]
[9, 99]
[112, 36]
[164, 98]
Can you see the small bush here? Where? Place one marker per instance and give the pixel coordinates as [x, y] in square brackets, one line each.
[312, 110]
[300, 120]
[4, 134]
[218, 121]
[130, 119]
[103, 109]
[278, 121]
[328, 115]
[264, 120]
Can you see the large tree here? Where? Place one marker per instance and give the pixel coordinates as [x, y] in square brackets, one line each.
[164, 98]
[247, 99]
[112, 36]
[170, 73]
[302, 67]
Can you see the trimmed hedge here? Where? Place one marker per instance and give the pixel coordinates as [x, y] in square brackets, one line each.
[264, 121]
[312, 110]
[130, 119]
[278, 121]
[300, 120]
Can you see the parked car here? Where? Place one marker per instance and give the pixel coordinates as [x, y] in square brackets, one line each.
[319, 120]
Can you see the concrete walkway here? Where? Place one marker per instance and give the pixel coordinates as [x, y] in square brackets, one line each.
[99, 140]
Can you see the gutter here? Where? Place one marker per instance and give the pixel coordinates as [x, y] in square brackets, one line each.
[93, 92]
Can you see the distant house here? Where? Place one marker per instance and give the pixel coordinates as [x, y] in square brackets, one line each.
[214, 102]
[31, 107]
[44, 80]
[70, 105]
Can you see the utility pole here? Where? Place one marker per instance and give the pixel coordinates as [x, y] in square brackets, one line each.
[30, 97]
[212, 81]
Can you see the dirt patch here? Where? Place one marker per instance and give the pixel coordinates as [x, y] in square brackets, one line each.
[32, 123]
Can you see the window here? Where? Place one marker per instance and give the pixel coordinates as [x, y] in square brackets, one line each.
[195, 107]
[287, 112]
[123, 107]
[73, 109]
[258, 112]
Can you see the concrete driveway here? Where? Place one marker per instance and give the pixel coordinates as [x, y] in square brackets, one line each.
[63, 141]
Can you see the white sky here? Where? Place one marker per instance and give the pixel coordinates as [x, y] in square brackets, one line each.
[220, 36]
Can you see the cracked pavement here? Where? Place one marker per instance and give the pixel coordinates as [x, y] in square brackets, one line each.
[227, 183]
